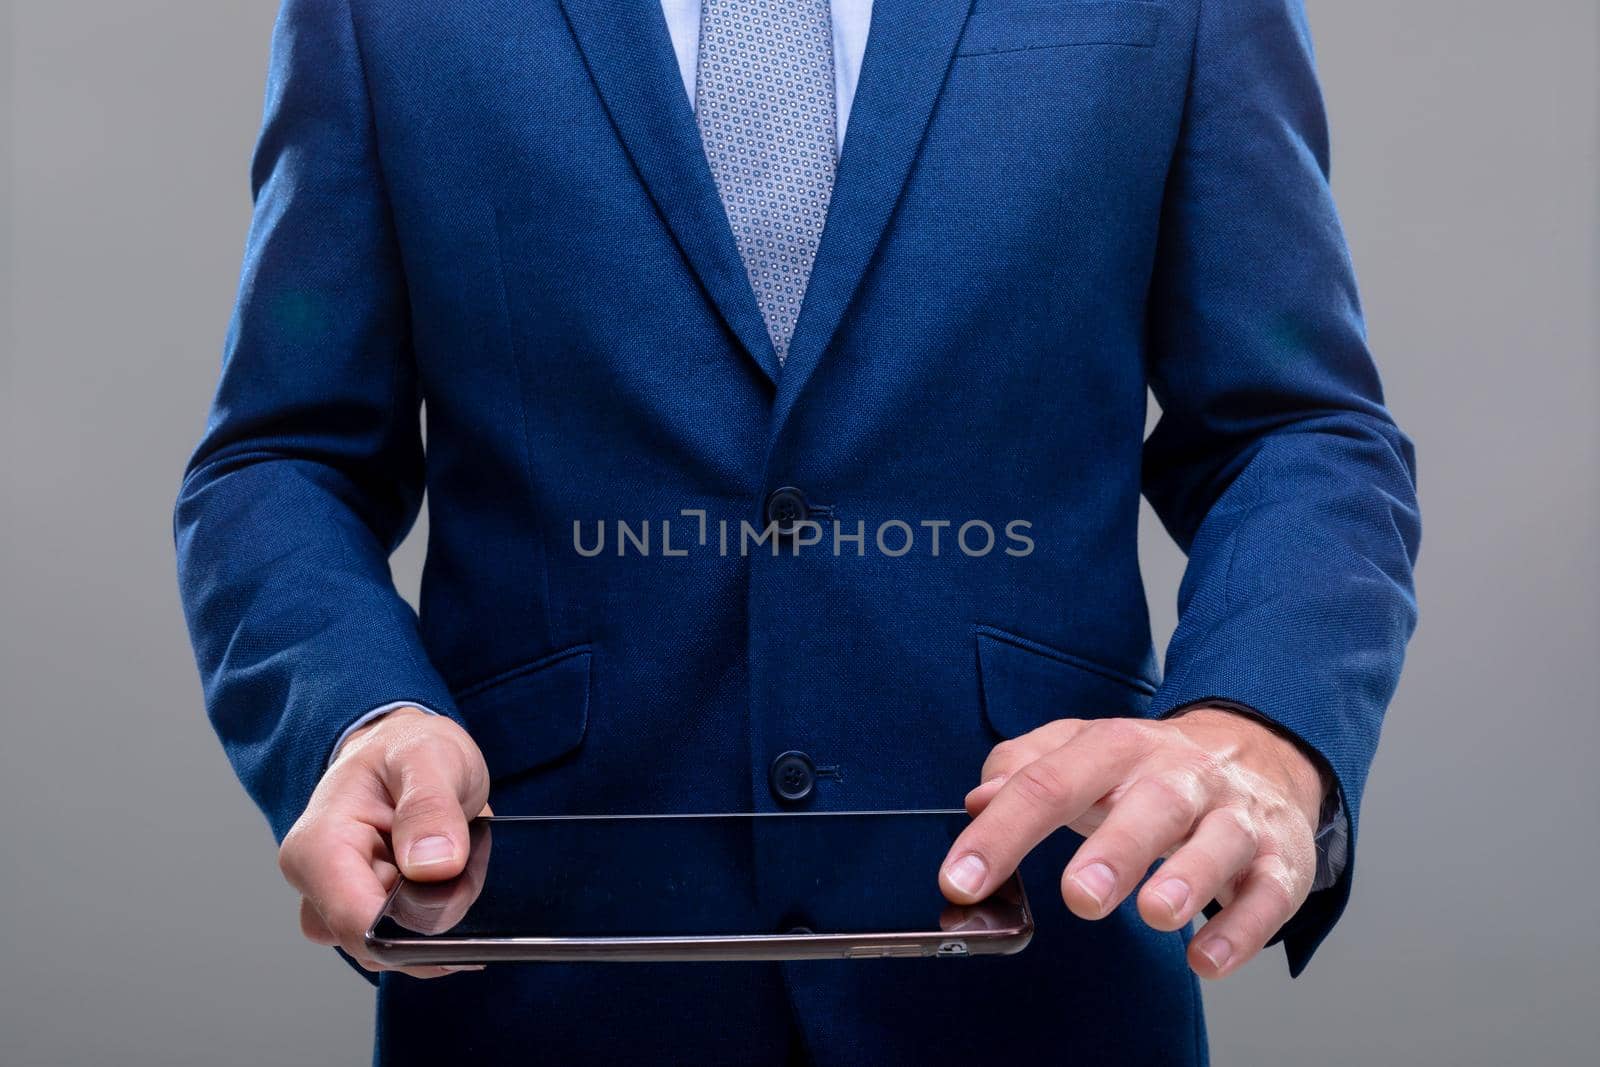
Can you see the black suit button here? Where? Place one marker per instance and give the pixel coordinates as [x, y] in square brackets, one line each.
[787, 508]
[793, 776]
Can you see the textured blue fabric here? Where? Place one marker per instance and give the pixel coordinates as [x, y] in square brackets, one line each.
[502, 206]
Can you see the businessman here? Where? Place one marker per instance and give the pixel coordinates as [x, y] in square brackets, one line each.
[784, 370]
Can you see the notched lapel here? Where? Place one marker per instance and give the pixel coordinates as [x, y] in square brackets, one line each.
[629, 55]
[909, 50]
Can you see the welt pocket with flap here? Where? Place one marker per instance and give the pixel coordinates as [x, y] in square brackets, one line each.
[530, 715]
[989, 31]
[1024, 684]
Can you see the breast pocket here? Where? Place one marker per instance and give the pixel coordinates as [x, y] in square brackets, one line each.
[1025, 684]
[995, 29]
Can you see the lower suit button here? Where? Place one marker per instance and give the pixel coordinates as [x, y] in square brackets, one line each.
[792, 777]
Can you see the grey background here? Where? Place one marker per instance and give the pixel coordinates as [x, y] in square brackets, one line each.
[143, 921]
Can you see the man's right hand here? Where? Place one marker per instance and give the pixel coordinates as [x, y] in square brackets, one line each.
[395, 799]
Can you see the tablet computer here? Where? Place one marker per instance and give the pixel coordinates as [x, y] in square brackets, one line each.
[779, 886]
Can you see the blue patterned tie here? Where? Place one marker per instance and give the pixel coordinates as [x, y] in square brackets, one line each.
[764, 102]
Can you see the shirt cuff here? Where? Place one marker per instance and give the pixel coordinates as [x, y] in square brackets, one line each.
[1333, 841]
[376, 713]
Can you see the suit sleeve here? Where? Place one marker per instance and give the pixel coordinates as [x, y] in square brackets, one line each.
[310, 470]
[1275, 464]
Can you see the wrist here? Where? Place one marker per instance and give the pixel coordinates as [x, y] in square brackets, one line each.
[361, 735]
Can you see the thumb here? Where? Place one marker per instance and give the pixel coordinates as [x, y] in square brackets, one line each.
[434, 789]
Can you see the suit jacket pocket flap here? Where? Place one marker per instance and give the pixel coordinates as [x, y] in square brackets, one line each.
[1024, 684]
[530, 715]
[1020, 29]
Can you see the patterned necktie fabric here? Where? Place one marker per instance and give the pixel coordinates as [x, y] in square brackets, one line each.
[764, 103]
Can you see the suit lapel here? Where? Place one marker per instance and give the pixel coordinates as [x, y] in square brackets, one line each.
[909, 50]
[629, 55]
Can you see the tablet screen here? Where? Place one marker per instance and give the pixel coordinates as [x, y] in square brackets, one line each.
[687, 876]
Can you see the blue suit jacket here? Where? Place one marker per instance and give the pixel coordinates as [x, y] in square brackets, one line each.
[501, 207]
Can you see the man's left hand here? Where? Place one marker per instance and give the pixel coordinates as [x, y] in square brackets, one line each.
[1231, 804]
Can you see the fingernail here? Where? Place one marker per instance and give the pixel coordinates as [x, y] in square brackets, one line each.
[457, 968]
[1217, 950]
[967, 873]
[1174, 893]
[427, 851]
[1096, 880]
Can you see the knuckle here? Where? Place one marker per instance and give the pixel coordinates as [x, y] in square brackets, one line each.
[1200, 869]
[1278, 885]
[1294, 865]
[1002, 753]
[1247, 920]
[1250, 933]
[477, 766]
[1125, 737]
[1040, 783]
[444, 727]
[1116, 845]
[441, 730]
[1240, 822]
[288, 858]
[1176, 793]
[1006, 757]
[444, 743]
[1114, 730]
[1210, 766]
[1280, 897]
[426, 806]
[416, 743]
[1233, 887]
[1300, 838]
[296, 851]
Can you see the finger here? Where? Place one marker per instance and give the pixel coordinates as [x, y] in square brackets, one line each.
[958, 919]
[1035, 801]
[436, 907]
[388, 874]
[333, 869]
[366, 963]
[443, 971]
[1270, 894]
[1009, 756]
[982, 794]
[312, 927]
[430, 970]
[435, 787]
[1200, 871]
[1149, 819]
